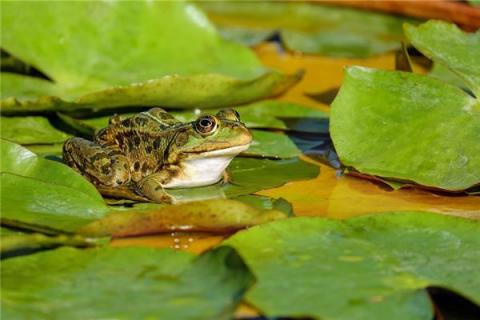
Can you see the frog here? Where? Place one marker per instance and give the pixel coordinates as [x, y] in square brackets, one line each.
[141, 157]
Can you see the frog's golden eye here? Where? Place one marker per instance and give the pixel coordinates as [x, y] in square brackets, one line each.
[229, 114]
[206, 125]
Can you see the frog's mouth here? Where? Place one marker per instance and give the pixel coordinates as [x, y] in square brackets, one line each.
[230, 151]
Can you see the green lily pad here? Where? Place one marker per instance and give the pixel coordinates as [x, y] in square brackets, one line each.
[41, 192]
[272, 145]
[123, 283]
[446, 44]
[30, 130]
[252, 175]
[372, 267]
[308, 28]
[114, 58]
[407, 127]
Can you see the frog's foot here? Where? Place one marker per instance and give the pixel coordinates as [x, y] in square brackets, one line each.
[122, 193]
[152, 188]
[103, 166]
[227, 178]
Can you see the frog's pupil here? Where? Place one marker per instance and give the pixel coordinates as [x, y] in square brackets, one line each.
[205, 123]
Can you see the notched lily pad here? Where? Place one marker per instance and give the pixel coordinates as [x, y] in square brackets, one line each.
[371, 267]
[407, 127]
[117, 283]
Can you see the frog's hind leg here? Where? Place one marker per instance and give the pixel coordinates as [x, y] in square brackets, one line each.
[103, 166]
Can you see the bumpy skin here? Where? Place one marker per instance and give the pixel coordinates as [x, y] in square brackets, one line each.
[136, 157]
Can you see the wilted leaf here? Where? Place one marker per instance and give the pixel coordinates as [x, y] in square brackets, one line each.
[309, 28]
[30, 130]
[445, 43]
[372, 267]
[41, 192]
[407, 127]
[123, 283]
[108, 55]
[11, 244]
[218, 216]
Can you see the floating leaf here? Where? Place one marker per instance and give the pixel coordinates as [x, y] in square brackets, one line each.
[445, 43]
[309, 28]
[218, 216]
[372, 267]
[377, 114]
[123, 283]
[252, 175]
[30, 130]
[41, 192]
[272, 145]
[112, 58]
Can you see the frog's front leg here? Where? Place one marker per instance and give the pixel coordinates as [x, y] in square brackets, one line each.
[152, 187]
[103, 166]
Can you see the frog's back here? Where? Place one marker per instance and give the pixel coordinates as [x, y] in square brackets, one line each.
[143, 139]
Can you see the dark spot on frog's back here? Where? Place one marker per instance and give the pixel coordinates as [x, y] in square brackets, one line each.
[157, 142]
[148, 149]
[136, 166]
[105, 169]
[137, 140]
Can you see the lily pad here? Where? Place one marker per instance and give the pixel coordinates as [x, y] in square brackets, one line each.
[377, 114]
[252, 175]
[122, 283]
[308, 28]
[372, 267]
[30, 130]
[114, 58]
[272, 145]
[446, 44]
[42, 192]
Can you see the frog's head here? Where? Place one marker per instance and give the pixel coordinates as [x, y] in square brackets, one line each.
[204, 148]
[222, 134]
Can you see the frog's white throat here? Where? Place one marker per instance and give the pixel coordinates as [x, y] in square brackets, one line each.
[205, 169]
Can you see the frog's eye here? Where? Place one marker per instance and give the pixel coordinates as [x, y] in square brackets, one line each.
[229, 114]
[206, 125]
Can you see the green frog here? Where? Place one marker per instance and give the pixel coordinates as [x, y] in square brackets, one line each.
[139, 157]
